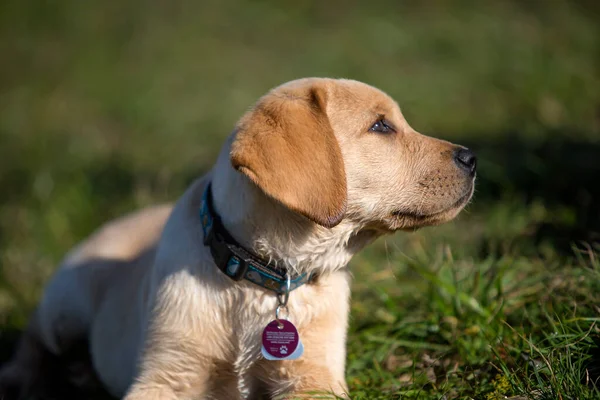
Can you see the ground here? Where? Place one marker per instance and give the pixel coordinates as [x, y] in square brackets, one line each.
[110, 106]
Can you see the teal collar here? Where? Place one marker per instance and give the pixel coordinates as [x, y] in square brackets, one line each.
[235, 261]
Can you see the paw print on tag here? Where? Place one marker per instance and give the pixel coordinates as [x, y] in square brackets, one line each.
[283, 350]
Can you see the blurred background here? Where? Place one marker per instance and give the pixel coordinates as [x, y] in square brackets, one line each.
[107, 106]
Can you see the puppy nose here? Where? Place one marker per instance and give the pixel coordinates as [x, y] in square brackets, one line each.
[466, 160]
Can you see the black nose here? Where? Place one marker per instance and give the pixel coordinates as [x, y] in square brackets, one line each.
[466, 160]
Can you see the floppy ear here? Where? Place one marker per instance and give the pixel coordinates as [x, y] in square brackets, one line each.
[286, 146]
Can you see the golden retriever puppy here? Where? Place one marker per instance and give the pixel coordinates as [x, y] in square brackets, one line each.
[181, 303]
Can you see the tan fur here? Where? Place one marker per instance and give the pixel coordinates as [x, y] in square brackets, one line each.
[275, 147]
[303, 183]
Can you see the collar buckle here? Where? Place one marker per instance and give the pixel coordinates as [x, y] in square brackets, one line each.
[236, 268]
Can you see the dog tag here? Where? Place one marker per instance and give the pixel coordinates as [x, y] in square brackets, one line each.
[280, 341]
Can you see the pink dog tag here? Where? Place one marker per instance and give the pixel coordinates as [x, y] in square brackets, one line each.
[281, 342]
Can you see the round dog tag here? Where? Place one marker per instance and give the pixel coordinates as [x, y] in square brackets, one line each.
[280, 339]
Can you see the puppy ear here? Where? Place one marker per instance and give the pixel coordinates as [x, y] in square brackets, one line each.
[287, 147]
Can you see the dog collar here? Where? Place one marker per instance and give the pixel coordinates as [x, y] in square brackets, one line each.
[237, 262]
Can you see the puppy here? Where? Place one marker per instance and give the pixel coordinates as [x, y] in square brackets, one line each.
[174, 301]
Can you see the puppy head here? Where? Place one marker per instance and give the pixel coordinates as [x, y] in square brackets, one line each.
[340, 149]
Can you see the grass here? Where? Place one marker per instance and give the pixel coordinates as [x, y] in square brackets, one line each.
[110, 106]
[490, 328]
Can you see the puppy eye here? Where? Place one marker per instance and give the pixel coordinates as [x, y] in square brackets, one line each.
[382, 126]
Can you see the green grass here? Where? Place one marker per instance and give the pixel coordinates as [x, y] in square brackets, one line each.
[435, 324]
[107, 106]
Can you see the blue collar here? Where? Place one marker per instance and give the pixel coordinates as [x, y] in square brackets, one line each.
[237, 262]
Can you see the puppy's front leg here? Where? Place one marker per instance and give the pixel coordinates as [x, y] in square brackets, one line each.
[310, 381]
[148, 393]
[303, 379]
[320, 370]
[163, 377]
[172, 368]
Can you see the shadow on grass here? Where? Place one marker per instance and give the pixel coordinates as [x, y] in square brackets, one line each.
[54, 383]
[562, 173]
[8, 340]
